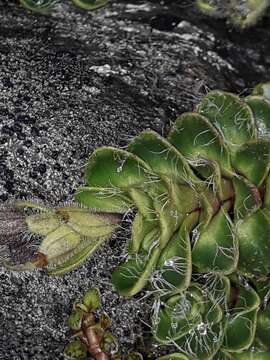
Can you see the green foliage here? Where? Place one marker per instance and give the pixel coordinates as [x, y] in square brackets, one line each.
[241, 13]
[200, 239]
[90, 335]
[46, 6]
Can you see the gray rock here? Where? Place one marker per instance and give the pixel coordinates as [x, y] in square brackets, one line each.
[75, 81]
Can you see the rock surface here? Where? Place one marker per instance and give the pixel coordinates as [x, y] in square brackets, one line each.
[74, 81]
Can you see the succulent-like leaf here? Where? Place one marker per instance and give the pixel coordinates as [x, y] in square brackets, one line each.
[257, 170]
[216, 248]
[247, 198]
[103, 200]
[130, 277]
[162, 157]
[253, 234]
[174, 268]
[197, 139]
[241, 325]
[43, 7]
[251, 356]
[203, 342]
[230, 116]
[261, 111]
[181, 313]
[115, 168]
[263, 326]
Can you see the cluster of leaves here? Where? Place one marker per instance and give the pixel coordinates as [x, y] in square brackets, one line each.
[201, 236]
[91, 334]
[46, 6]
[240, 13]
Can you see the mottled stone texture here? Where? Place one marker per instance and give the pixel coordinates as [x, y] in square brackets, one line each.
[75, 81]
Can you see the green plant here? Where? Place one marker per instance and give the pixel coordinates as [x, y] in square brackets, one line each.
[90, 334]
[201, 237]
[46, 6]
[241, 13]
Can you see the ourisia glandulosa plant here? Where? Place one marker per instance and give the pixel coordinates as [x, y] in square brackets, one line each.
[200, 240]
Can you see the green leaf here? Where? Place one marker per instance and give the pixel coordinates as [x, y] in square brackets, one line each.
[221, 355]
[263, 326]
[144, 234]
[43, 7]
[230, 116]
[174, 356]
[75, 320]
[109, 343]
[180, 314]
[143, 202]
[91, 299]
[219, 287]
[253, 234]
[162, 157]
[167, 214]
[248, 355]
[90, 4]
[150, 239]
[257, 169]
[247, 198]
[266, 199]
[76, 350]
[241, 324]
[203, 341]
[103, 200]
[185, 198]
[174, 268]
[114, 168]
[240, 332]
[129, 278]
[197, 139]
[261, 111]
[216, 248]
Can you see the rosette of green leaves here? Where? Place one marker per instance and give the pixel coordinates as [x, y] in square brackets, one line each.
[201, 235]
